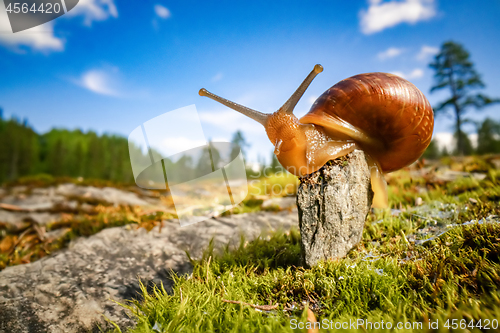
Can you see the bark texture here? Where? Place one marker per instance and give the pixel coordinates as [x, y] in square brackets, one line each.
[333, 203]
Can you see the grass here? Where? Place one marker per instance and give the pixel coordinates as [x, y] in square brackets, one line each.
[280, 184]
[405, 269]
[440, 282]
[436, 277]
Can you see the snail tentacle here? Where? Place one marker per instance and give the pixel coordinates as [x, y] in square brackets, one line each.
[294, 99]
[251, 113]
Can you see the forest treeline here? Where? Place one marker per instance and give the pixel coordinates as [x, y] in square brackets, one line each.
[65, 153]
[61, 152]
[488, 142]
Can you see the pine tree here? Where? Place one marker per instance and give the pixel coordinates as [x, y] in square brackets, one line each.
[455, 71]
[275, 165]
[238, 142]
[432, 151]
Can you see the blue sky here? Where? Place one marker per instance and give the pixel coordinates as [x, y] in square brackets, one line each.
[110, 66]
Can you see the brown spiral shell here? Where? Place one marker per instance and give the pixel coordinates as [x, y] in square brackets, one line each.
[392, 118]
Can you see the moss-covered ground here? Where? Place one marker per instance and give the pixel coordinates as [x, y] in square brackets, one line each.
[432, 263]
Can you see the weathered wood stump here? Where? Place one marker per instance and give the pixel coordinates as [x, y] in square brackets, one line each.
[333, 203]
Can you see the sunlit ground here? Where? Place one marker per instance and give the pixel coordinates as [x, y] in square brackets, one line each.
[434, 255]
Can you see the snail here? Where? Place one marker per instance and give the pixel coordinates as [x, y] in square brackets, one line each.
[382, 114]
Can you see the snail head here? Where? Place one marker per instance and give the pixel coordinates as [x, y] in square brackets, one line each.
[282, 127]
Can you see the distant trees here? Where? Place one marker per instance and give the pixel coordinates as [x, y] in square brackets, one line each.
[77, 154]
[455, 72]
[61, 153]
[488, 141]
[275, 165]
[238, 142]
[432, 152]
[488, 137]
[18, 149]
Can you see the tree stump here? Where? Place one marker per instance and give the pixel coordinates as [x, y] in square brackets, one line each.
[333, 203]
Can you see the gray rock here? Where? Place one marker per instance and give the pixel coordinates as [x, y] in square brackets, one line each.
[19, 189]
[72, 290]
[108, 194]
[280, 203]
[33, 202]
[15, 219]
[43, 205]
[333, 203]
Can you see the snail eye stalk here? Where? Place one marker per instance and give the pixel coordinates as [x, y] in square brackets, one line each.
[253, 114]
[294, 99]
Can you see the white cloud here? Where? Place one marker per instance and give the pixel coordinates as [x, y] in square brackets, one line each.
[100, 81]
[230, 120]
[414, 74]
[312, 99]
[109, 81]
[445, 140]
[162, 12]
[426, 51]
[473, 139]
[176, 144]
[217, 77]
[385, 14]
[40, 38]
[390, 53]
[94, 10]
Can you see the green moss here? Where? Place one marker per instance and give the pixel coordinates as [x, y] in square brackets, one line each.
[454, 276]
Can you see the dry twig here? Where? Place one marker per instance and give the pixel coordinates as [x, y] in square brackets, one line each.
[14, 208]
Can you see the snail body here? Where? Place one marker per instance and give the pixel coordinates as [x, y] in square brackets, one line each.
[383, 114]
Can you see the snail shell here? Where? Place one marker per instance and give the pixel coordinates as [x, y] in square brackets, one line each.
[386, 115]
[383, 114]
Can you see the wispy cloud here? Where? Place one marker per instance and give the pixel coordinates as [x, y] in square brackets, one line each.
[94, 10]
[230, 121]
[109, 81]
[39, 38]
[100, 81]
[175, 144]
[217, 77]
[414, 74]
[445, 140]
[42, 37]
[312, 99]
[162, 11]
[390, 53]
[381, 15]
[426, 51]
